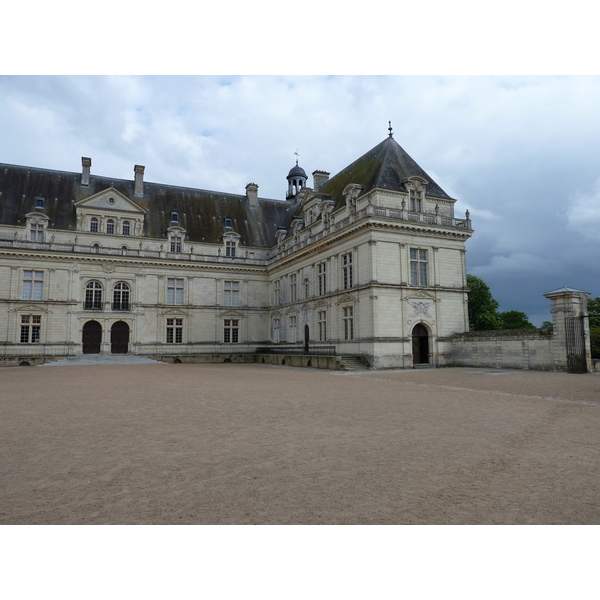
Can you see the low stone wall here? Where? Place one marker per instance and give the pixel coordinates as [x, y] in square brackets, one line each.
[290, 360]
[510, 349]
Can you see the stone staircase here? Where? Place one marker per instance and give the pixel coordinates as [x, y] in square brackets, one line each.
[103, 359]
[352, 363]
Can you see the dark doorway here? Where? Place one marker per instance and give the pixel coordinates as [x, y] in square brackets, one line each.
[92, 337]
[119, 338]
[306, 337]
[420, 345]
[576, 356]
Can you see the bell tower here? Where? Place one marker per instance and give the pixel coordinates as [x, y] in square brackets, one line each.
[297, 179]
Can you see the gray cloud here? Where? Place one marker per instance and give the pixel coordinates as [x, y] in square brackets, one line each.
[521, 153]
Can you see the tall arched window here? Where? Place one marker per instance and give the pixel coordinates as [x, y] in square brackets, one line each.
[94, 224]
[121, 297]
[93, 296]
[126, 228]
[110, 226]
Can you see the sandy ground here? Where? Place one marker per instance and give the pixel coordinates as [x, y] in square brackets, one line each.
[258, 444]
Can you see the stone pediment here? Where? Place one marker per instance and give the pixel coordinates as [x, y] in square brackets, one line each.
[231, 314]
[346, 299]
[31, 308]
[110, 199]
[176, 312]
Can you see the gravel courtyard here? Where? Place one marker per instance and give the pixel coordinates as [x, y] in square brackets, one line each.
[259, 444]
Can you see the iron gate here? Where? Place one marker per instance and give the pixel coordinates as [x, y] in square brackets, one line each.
[576, 360]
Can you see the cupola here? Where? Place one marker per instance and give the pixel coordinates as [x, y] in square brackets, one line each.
[297, 179]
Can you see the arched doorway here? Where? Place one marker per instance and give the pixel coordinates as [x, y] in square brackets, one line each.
[306, 338]
[92, 337]
[119, 338]
[420, 345]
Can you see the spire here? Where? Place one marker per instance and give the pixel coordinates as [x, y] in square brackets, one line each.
[297, 155]
[390, 129]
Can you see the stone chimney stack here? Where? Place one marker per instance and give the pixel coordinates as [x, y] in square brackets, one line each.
[320, 178]
[252, 194]
[139, 180]
[86, 164]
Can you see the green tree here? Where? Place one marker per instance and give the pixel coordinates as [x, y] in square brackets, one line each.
[513, 319]
[549, 325]
[483, 307]
[595, 342]
[594, 312]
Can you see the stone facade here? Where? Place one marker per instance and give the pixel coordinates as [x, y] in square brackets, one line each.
[370, 262]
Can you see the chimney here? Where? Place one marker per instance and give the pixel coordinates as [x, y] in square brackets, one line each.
[86, 164]
[139, 180]
[320, 178]
[252, 194]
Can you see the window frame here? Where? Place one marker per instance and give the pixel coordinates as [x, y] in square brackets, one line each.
[322, 278]
[348, 319]
[174, 330]
[322, 325]
[94, 225]
[30, 331]
[419, 270]
[93, 299]
[347, 271]
[33, 286]
[231, 331]
[231, 293]
[175, 291]
[122, 291]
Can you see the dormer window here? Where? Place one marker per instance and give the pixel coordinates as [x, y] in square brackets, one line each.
[110, 226]
[174, 217]
[36, 225]
[40, 203]
[94, 225]
[126, 228]
[176, 242]
[416, 187]
[176, 236]
[228, 223]
[416, 200]
[36, 233]
[230, 248]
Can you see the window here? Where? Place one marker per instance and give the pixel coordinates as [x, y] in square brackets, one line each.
[40, 203]
[306, 286]
[293, 292]
[347, 269]
[322, 277]
[229, 248]
[322, 322]
[293, 329]
[418, 267]
[174, 291]
[94, 225]
[228, 223]
[232, 291]
[174, 331]
[93, 296]
[174, 217]
[126, 228]
[176, 243]
[276, 326]
[30, 329]
[96, 248]
[415, 200]
[33, 283]
[121, 297]
[110, 226]
[348, 323]
[37, 233]
[277, 292]
[231, 331]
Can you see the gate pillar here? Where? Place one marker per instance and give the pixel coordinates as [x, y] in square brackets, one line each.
[571, 331]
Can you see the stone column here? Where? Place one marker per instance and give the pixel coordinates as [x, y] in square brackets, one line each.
[568, 302]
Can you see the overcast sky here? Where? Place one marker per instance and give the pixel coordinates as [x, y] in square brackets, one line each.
[522, 154]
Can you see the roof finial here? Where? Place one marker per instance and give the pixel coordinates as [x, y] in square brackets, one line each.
[297, 155]
[390, 128]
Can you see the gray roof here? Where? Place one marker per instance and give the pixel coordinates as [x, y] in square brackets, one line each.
[202, 213]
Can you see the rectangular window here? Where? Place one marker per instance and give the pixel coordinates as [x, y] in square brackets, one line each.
[415, 201]
[176, 244]
[174, 331]
[276, 326]
[231, 331]
[37, 233]
[347, 269]
[306, 287]
[418, 267]
[349, 323]
[232, 291]
[293, 289]
[322, 278]
[293, 329]
[174, 291]
[33, 283]
[110, 226]
[30, 329]
[322, 322]
[277, 292]
[230, 249]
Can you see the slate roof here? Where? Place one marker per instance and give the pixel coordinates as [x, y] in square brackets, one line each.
[385, 166]
[201, 212]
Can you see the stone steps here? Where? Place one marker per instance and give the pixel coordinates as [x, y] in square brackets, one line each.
[103, 359]
[352, 363]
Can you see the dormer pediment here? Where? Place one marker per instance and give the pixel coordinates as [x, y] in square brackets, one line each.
[109, 200]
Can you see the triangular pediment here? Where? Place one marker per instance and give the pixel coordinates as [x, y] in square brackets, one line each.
[32, 308]
[110, 199]
[346, 298]
[231, 314]
[420, 295]
[175, 312]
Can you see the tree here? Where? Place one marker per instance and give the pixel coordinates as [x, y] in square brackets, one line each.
[513, 319]
[482, 305]
[594, 312]
[548, 325]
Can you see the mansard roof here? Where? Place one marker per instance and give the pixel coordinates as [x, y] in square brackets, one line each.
[201, 212]
[385, 166]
